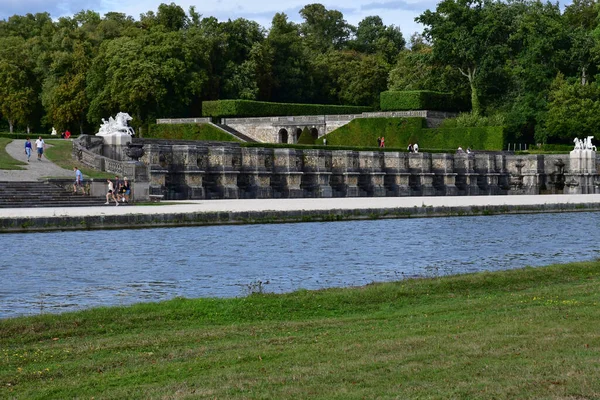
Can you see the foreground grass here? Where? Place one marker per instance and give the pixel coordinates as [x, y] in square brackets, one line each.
[6, 161]
[60, 153]
[530, 333]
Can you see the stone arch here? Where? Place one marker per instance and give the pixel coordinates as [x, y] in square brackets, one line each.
[297, 133]
[283, 136]
[314, 133]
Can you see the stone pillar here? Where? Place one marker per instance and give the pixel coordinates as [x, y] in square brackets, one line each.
[317, 173]
[444, 182]
[485, 166]
[255, 177]
[224, 163]
[114, 146]
[396, 179]
[344, 173]
[466, 178]
[157, 158]
[533, 174]
[287, 173]
[371, 179]
[421, 175]
[187, 172]
[582, 177]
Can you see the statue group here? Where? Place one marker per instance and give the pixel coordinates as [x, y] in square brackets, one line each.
[584, 144]
[116, 126]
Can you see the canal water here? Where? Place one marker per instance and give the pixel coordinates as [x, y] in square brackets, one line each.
[63, 271]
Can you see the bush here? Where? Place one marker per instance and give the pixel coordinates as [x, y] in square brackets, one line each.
[399, 132]
[306, 137]
[32, 135]
[248, 108]
[188, 132]
[416, 100]
[470, 120]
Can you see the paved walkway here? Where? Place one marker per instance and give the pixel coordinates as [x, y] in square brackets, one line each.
[35, 169]
[361, 203]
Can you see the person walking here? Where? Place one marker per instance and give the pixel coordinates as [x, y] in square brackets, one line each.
[111, 193]
[125, 191]
[40, 145]
[28, 149]
[78, 181]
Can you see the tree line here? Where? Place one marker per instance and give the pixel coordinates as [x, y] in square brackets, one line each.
[526, 64]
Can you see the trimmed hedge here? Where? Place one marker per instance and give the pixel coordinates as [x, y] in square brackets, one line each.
[32, 135]
[399, 132]
[306, 137]
[188, 132]
[249, 108]
[416, 100]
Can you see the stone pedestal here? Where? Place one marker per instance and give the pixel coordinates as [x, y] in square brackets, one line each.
[255, 177]
[344, 173]
[114, 146]
[444, 181]
[371, 179]
[583, 174]
[317, 173]
[466, 178]
[421, 179]
[223, 169]
[396, 178]
[287, 174]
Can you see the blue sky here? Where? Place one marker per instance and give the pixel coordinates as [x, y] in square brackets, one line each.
[400, 13]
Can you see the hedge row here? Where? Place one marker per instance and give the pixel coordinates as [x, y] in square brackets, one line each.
[399, 132]
[188, 132]
[32, 135]
[416, 100]
[248, 108]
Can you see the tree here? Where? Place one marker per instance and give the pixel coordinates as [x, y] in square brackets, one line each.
[372, 36]
[573, 110]
[291, 71]
[470, 35]
[324, 29]
[19, 85]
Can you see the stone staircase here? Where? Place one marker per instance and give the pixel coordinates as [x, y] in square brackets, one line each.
[235, 133]
[42, 194]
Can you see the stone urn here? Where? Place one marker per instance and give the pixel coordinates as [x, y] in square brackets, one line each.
[134, 150]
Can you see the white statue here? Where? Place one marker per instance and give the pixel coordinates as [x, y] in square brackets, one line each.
[116, 126]
[53, 132]
[588, 143]
[584, 144]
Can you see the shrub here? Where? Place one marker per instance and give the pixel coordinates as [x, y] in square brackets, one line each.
[416, 100]
[248, 108]
[306, 137]
[470, 120]
[188, 132]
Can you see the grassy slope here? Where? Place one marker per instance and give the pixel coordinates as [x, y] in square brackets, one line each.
[399, 132]
[60, 153]
[189, 132]
[6, 161]
[528, 333]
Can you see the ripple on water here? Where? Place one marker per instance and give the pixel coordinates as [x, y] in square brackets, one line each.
[100, 268]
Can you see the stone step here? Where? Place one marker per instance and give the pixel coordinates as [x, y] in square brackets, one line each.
[41, 194]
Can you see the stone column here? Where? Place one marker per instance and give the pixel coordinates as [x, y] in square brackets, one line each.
[466, 178]
[421, 175]
[533, 174]
[255, 177]
[582, 177]
[485, 166]
[371, 179]
[445, 178]
[396, 179]
[224, 163]
[317, 173]
[287, 173]
[157, 158]
[344, 173]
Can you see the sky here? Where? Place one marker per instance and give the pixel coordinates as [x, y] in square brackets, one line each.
[400, 13]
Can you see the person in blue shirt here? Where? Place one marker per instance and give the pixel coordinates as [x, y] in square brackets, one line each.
[28, 148]
[78, 181]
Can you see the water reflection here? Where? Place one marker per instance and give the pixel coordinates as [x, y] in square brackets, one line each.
[55, 272]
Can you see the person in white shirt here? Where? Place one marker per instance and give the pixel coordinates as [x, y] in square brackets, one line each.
[416, 148]
[40, 145]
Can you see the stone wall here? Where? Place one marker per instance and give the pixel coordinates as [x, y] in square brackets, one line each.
[196, 171]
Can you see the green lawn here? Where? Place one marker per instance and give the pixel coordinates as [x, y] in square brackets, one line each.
[60, 153]
[6, 161]
[522, 334]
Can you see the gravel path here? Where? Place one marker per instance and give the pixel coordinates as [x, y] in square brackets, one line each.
[35, 169]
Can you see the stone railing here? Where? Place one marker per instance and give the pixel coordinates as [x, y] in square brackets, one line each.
[184, 121]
